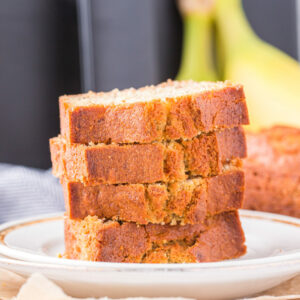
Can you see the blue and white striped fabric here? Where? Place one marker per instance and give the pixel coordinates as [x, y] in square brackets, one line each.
[28, 192]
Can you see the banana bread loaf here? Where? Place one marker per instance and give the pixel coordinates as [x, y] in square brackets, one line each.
[204, 155]
[168, 111]
[184, 202]
[218, 238]
[272, 171]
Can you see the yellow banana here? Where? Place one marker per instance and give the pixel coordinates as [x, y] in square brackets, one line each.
[270, 77]
[197, 60]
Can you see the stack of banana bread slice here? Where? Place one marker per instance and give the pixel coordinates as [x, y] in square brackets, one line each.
[153, 175]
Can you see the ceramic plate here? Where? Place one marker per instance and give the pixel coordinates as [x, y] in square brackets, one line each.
[273, 256]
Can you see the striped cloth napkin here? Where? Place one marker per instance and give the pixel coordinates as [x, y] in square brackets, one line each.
[26, 192]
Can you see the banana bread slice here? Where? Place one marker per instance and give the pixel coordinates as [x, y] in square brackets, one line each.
[184, 202]
[205, 155]
[272, 171]
[170, 110]
[218, 238]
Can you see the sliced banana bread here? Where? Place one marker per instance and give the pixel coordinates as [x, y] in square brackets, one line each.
[272, 171]
[205, 155]
[218, 238]
[183, 202]
[168, 111]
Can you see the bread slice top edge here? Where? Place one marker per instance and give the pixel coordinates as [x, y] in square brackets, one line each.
[169, 90]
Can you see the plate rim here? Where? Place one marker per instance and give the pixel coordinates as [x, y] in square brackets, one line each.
[14, 253]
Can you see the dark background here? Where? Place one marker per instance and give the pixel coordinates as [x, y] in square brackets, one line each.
[53, 47]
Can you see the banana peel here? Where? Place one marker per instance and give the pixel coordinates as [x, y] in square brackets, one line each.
[197, 60]
[271, 78]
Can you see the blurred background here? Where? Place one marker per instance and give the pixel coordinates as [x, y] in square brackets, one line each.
[54, 47]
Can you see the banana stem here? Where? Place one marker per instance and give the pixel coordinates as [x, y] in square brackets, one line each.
[232, 23]
[197, 61]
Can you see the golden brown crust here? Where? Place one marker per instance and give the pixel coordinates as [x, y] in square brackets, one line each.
[186, 202]
[218, 238]
[272, 171]
[204, 155]
[157, 120]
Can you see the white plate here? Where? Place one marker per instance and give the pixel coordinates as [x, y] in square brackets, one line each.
[273, 256]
